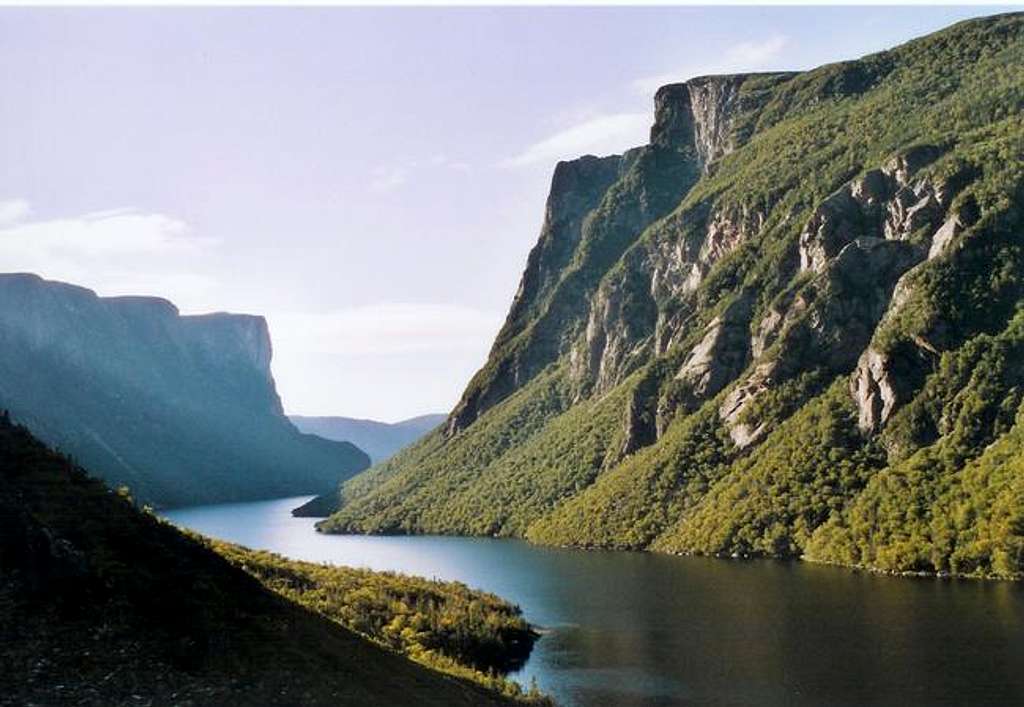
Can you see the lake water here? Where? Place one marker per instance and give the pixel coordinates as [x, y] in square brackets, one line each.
[638, 629]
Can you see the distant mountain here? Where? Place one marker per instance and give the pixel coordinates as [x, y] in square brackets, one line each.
[105, 605]
[791, 325]
[378, 439]
[182, 409]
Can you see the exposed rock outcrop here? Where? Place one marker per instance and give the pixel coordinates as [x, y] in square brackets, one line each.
[703, 112]
[542, 327]
[577, 187]
[596, 212]
[874, 390]
[883, 203]
[650, 295]
[721, 355]
[714, 101]
[640, 427]
[868, 234]
[826, 325]
[618, 333]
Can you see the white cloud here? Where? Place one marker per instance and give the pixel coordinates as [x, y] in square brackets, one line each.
[604, 134]
[13, 211]
[99, 233]
[739, 58]
[389, 178]
[757, 53]
[381, 329]
[447, 162]
[115, 252]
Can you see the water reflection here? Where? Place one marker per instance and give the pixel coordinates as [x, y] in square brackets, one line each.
[642, 630]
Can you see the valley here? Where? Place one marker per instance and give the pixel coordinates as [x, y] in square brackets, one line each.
[750, 432]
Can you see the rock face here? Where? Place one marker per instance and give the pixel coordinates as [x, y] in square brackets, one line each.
[874, 390]
[576, 190]
[182, 409]
[714, 101]
[596, 211]
[815, 250]
[721, 355]
[855, 250]
[883, 203]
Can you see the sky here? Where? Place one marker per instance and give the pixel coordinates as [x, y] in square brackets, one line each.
[370, 180]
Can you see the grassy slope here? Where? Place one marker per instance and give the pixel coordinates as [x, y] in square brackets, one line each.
[555, 476]
[103, 604]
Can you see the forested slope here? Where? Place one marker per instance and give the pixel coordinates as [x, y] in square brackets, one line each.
[790, 325]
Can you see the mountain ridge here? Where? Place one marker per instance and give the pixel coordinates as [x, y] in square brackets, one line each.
[378, 439]
[731, 340]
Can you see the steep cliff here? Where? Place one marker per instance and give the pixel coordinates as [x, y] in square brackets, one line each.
[737, 339]
[182, 409]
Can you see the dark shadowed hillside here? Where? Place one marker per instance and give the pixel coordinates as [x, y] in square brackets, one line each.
[101, 604]
[790, 325]
[379, 440]
[182, 409]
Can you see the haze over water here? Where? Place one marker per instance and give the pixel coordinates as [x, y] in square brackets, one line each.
[645, 630]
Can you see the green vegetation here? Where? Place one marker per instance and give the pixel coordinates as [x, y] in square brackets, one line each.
[486, 474]
[770, 502]
[956, 505]
[104, 604]
[444, 625]
[869, 207]
[630, 505]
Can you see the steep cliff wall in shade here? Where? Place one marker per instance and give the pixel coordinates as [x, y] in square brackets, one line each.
[182, 409]
[790, 325]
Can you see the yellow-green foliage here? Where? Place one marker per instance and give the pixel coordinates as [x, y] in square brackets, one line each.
[770, 502]
[920, 516]
[444, 625]
[492, 479]
[630, 505]
[413, 490]
[955, 505]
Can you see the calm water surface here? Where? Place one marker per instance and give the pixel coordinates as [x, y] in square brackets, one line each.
[637, 629]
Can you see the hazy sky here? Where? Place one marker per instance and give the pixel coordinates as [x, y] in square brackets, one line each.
[370, 180]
